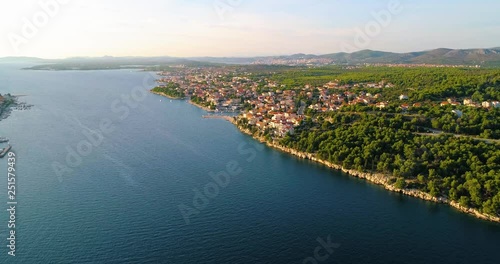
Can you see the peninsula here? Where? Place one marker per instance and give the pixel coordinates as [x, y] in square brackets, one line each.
[428, 132]
[7, 101]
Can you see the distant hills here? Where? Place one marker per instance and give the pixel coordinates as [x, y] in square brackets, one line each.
[437, 56]
[22, 59]
[483, 57]
[102, 63]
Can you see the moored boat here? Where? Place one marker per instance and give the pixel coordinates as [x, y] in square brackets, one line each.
[4, 151]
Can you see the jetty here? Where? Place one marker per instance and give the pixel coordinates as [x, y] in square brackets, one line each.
[227, 118]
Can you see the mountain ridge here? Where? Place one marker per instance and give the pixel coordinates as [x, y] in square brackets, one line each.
[445, 56]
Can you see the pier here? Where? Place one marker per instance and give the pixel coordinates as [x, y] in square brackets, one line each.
[227, 118]
[4, 151]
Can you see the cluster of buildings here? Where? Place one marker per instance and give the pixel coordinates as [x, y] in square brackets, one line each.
[421, 65]
[304, 61]
[5, 98]
[269, 107]
[469, 102]
[337, 84]
[216, 87]
[276, 113]
[490, 104]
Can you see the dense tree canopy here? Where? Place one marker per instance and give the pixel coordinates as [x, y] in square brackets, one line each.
[463, 169]
[171, 89]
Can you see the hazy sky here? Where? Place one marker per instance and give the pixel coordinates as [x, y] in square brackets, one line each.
[240, 27]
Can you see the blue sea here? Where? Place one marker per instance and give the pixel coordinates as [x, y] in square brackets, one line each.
[109, 173]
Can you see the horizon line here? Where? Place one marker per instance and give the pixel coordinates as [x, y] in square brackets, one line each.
[235, 57]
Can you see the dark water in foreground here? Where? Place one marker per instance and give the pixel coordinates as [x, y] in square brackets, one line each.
[121, 204]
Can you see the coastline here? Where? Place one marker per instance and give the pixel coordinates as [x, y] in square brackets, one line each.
[6, 110]
[201, 106]
[179, 98]
[375, 178]
[227, 118]
[166, 95]
[383, 180]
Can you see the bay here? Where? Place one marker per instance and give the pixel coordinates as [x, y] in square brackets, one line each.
[121, 203]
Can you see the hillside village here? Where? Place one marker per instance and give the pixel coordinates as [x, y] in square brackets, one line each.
[276, 109]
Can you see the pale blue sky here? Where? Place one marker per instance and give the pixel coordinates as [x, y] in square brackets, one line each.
[241, 27]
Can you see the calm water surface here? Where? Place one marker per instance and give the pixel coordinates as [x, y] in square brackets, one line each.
[121, 204]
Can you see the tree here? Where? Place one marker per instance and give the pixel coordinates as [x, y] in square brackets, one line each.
[433, 188]
[477, 96]
[400, 183]
[464, 201]
[474, 188]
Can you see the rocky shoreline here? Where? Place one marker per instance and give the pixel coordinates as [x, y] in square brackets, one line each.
[376, 178]
[166, 95]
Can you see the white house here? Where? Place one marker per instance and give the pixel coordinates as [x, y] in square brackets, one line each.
[468, 102]
[486, 104]
[381, 105]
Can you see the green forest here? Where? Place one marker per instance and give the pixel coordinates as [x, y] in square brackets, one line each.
[420, 83]
[460, 168]
[459, 164]
[426, 86]
[170, 89]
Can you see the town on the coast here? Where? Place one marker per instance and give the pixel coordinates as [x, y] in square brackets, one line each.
[430, 132]
[276, 109]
